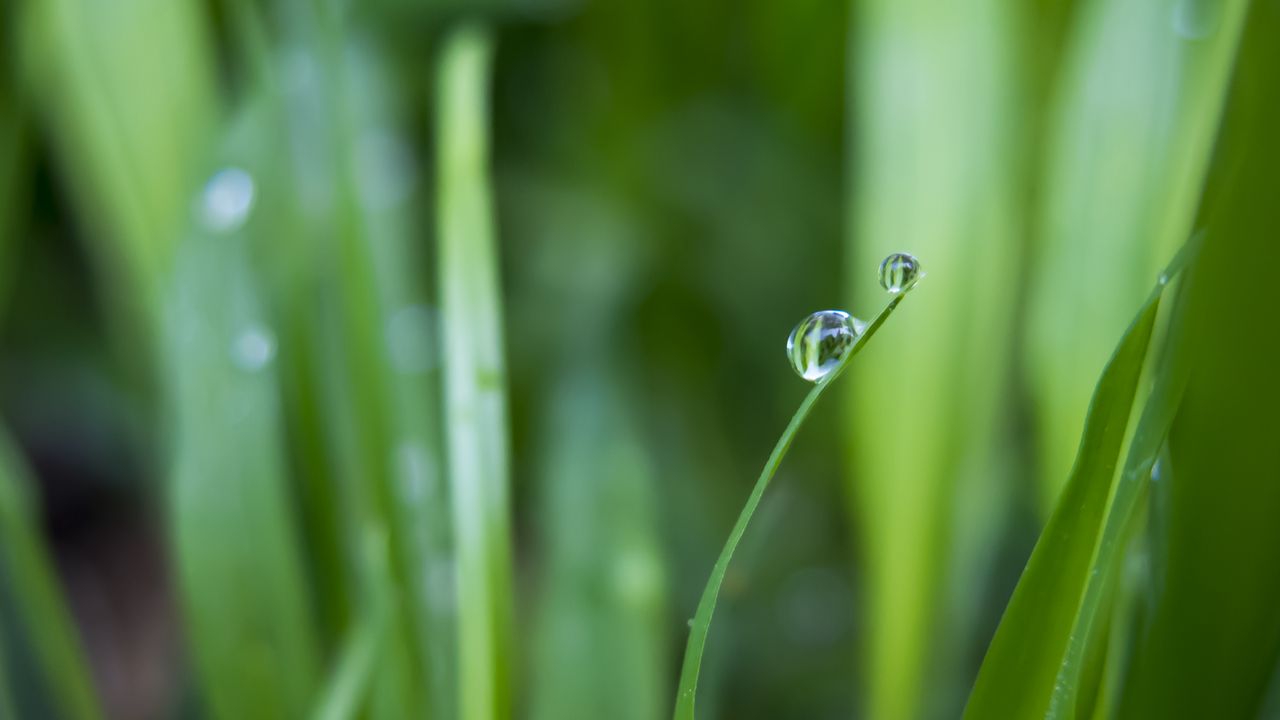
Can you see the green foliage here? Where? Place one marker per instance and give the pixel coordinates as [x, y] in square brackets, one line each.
[447, 415]
[686, 694]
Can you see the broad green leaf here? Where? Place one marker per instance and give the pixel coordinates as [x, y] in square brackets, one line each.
[1019, 676]
[1212, 642]
[686, 694]
[239, 569]
[1130, 129]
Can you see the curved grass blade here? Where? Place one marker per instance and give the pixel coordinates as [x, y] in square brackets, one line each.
[1032, 667]
[34, 585]
[687, 692]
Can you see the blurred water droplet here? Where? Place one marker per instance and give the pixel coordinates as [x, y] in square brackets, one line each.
[689, 622]
[409, 339]
[816, 345]
[899, 272]
[254, 348]
[1195, 19]
[1164, 278]
[227, 200]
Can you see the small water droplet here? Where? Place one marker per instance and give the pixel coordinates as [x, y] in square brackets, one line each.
[1164, 278]
[254, 348]
[900, 272]
[816, 345]
[689, 622]
[227, 200]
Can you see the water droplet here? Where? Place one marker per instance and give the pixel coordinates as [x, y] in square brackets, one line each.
[900, 272]
[254, 348]
[689, 622]
[820, 341]
[227, 200]
[409, 339]
[1164, 278]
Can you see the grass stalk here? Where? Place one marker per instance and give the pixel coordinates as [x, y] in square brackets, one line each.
[475, 412]
[34, 585]
[687, 692]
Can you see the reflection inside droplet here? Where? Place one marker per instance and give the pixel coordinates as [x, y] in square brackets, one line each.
[227, 200]
[254, 348]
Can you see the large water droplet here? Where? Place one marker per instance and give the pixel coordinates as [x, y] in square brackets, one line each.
[254, 348]
[227, 199]
[899, 272]
[820, 341]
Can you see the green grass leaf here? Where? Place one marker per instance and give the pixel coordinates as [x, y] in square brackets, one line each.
[246, 605]
[1213, 638]
[686, 694]
[33, 584]
[475, 398]
[1033, 665]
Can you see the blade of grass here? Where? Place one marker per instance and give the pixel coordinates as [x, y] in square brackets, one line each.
[1130, 136]
[34, 585]
[13, 154]
[948, 192]
[1170, 378]
[475, 413]
[604, 582]
[1032, 667]
[1214, 636]
[353, 675]
[239, 568]
[687, 692]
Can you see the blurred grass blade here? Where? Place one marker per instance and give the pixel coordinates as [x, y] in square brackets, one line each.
[13, 196]
[1021, 672]
[358, 657]
[686, 694]
[1214, 636]
[129, 131]
[33, 584]
[475, 403]
[1130, 135]
[945, 190]
[603, 578]
[240, 573]
[1169, 378]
